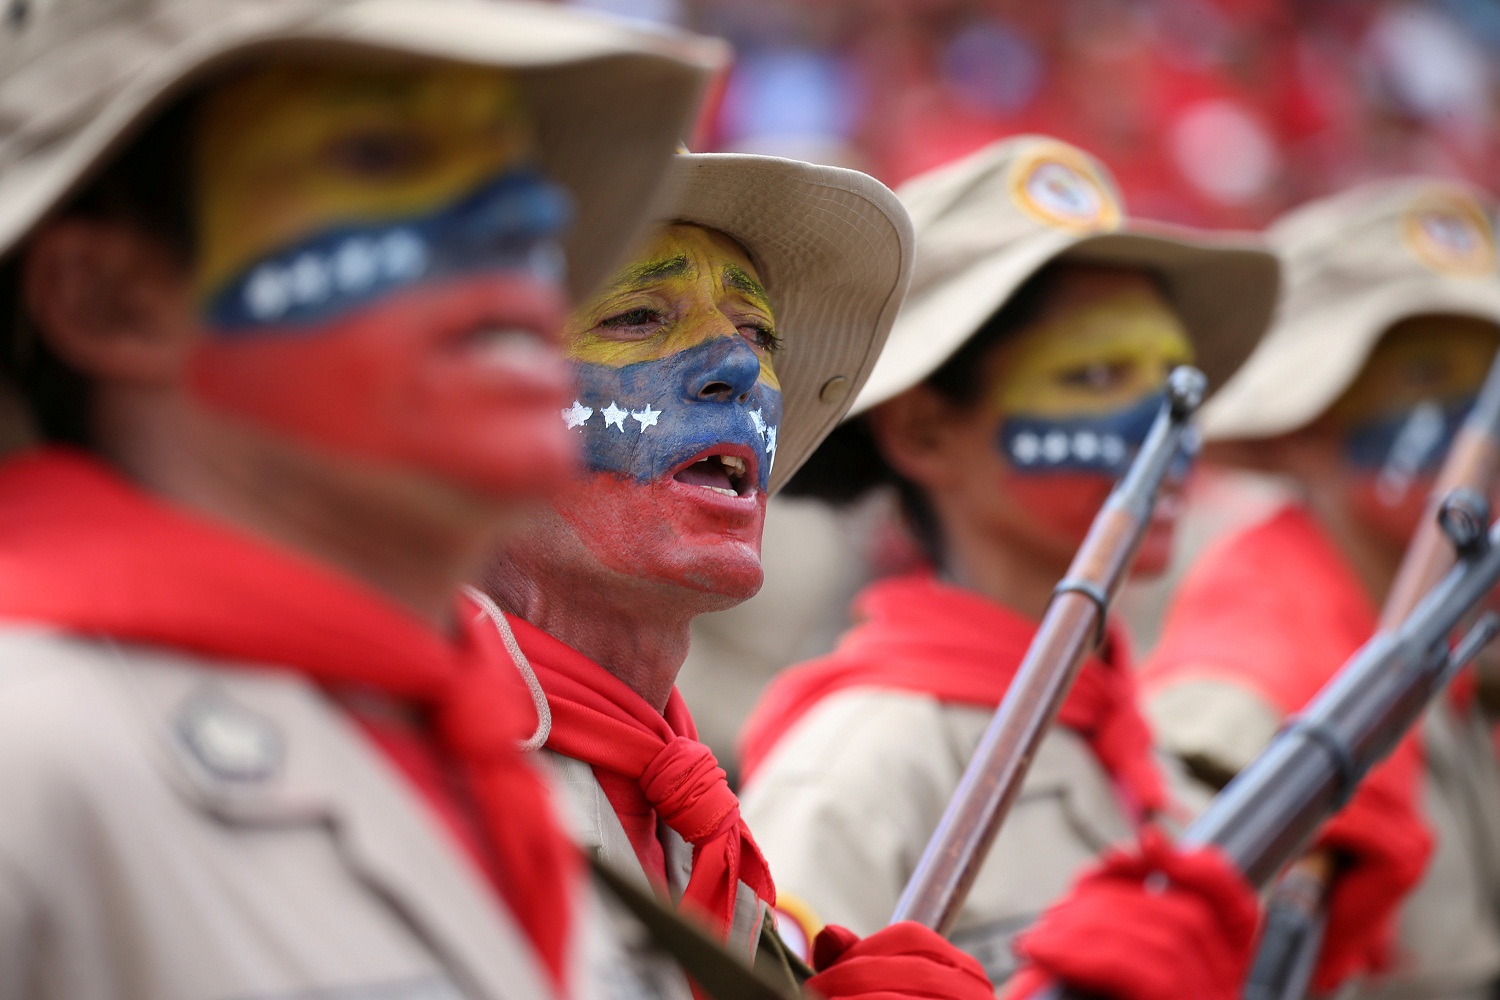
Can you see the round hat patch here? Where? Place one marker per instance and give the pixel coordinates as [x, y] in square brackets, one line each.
[1058, 187]
[1451, 236]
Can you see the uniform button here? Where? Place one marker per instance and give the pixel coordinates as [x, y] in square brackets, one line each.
[230, 740]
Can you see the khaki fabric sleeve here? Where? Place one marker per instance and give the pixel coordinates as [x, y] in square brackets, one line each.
[18, 937]
[844, 804]
[1215, 727]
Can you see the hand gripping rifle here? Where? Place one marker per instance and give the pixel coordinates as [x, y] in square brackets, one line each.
[1072, 628]
[1267, 814]
[1293, 930]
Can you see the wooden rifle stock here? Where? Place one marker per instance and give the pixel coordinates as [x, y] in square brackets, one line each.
[1070, 630]
[1266, 815]
[1294, 924]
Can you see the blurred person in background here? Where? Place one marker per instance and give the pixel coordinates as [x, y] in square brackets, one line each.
[280, 292]
[708, 369]
[1021, 377]
[1390, 321]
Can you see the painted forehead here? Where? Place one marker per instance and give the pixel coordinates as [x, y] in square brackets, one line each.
[1112, 344]
[689, 251]
[1428, 357]
[288, 149]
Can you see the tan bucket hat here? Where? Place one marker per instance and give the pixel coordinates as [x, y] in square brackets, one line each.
[834, 248]
[988, 222]
[1356, 263]
[79, 77]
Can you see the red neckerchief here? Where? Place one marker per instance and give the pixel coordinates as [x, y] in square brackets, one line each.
[83, 550]
[917, 634]
[1275, 607]
[598, 719]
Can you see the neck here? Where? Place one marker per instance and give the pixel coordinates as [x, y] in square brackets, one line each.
[636, 633]
[407, 539]
[1015, 576]
[1373, 560]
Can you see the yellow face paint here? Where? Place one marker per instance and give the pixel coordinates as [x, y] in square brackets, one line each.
[1437, 359]
[690, 286]
[291, 151]
[1108, 343]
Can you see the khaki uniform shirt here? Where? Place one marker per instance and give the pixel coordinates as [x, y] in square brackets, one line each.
[598, 829]
[174, 831]
[845, 803]
[1449, 928]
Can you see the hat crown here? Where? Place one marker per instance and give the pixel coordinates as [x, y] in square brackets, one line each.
[1000, 196]
[1414, 230]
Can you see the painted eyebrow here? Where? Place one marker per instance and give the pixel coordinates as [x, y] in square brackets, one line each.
[643, 274]
[739, 279]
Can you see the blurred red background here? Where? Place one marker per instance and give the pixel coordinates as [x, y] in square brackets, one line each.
[1210, 112]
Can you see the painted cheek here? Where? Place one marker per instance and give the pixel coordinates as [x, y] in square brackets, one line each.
[402, 382]
[1401, 451]
[655, 531]
[1101, 445]
[506, 225]
[645, 420]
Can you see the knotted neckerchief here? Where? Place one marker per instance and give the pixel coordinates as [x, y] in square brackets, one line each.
[83, 550]
[598, 719]
[917, 634]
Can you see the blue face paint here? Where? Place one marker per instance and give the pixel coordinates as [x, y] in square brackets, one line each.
[1402, 447]
[510, 223]
[645, 419]
[1103, 444]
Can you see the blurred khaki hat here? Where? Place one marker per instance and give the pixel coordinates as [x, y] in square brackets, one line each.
[1356, 263]
[834, 248]
[988, 222]
[79, 77]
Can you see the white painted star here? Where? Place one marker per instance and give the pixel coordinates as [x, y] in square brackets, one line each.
[647, 417]
[1026, 447]
[771, 440]
[614, 415]
[577, 414]
[1086, 445]
[1113, 448]
[1055, 446]
[759, 422]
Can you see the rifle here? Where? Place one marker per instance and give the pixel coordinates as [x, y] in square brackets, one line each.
[1072, 628]
[1294, 924]
[1268, 812]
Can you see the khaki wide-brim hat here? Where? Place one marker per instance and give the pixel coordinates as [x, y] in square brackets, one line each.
[834, 249]
[989, 221]
[1356, 264]
[79, 77]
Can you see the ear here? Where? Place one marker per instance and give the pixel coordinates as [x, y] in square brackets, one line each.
[917, 433]
[110, 300]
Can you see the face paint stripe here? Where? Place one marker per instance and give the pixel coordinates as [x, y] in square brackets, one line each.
[506, 223]
[1102, 444]
[661, 396]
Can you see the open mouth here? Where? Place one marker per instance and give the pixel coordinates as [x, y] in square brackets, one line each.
[727, 474]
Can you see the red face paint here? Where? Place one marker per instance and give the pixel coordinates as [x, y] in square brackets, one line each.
[379, 271]
[417, 380]
[669, 531]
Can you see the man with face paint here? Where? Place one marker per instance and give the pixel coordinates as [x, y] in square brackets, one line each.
[281, 286]
[1020, 380]
[1390, 321]
[708, 369]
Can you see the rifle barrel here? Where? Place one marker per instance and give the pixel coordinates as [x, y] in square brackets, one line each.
[1265, 816]
[1069, 631]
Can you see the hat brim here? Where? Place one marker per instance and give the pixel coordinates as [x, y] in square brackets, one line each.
[1223, 286]
[610, 102]
[834, 249]
[1323, 350]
